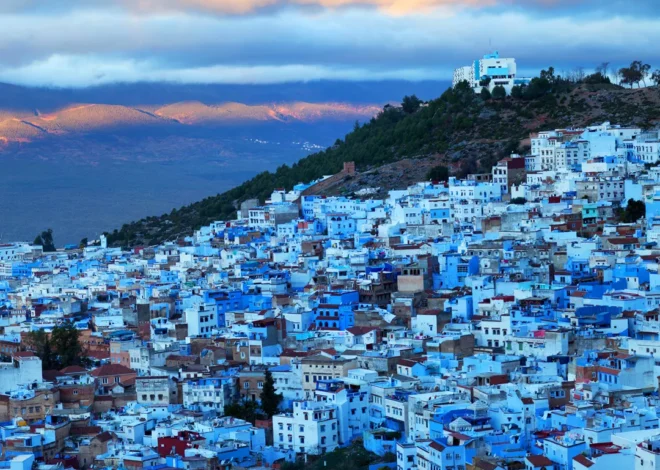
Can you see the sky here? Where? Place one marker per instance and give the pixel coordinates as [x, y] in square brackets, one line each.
[77, 43]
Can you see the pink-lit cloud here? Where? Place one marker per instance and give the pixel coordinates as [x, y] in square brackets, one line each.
[249, 6]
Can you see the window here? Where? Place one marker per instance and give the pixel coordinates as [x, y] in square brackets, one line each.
[246, 385]
[260, 384]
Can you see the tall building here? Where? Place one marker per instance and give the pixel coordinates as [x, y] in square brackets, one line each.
[490, 71]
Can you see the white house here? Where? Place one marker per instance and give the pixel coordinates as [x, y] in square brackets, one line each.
[201, 319]
[20, 371]
[312, 428]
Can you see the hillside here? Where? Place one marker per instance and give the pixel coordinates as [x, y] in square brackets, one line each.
[460, 129]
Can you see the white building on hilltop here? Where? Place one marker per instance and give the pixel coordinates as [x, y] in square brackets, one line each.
[492, 69]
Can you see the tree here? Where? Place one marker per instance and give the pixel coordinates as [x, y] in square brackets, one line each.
[644, 70]
[244, 409]
[499, 93]
[635, 210]
[39, 342]
[83, 243]
[411, 104]
[603, 69]
[61, 349]
[656, 77]
[596, 78]
[517, 92]
[576, 75]
[438, 173]
[548, 75]
[45, 240]
[270, 399]
[65, 340]
[485, 94]
[539, 86]
[634, 74]
[626, 76]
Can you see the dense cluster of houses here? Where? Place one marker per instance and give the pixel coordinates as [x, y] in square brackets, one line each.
[504, 321]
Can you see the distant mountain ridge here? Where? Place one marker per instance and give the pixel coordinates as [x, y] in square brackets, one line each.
[195, 112]
[85, 118]
[29, 114]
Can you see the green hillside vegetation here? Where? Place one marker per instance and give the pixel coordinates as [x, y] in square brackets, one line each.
[467, 131]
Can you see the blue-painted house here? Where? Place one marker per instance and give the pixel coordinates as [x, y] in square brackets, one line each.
[336, 310]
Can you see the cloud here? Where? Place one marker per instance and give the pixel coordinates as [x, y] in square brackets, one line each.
[56, 71]
[77, 43]
[249, 6]
[238, 7]
[397, 7]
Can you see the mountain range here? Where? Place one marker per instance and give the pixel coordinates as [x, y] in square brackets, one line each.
[28, 115]
[83, 119]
